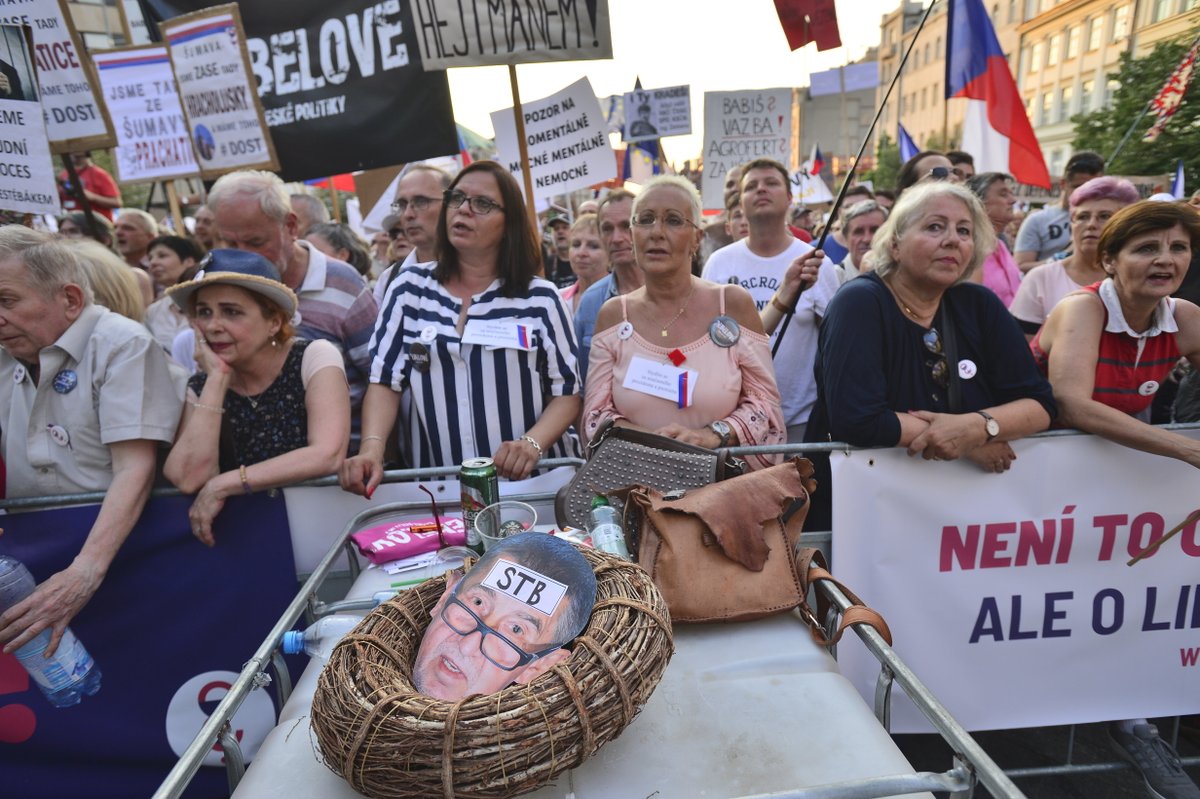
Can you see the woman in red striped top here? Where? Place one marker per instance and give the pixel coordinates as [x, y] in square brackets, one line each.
[1107, 348]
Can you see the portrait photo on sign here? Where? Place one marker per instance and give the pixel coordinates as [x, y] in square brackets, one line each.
[17, 81]
[507, 620]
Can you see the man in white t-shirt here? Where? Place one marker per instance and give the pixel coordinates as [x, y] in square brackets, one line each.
[758, 263]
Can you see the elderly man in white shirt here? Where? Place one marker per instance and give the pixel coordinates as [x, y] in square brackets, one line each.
[86, 396]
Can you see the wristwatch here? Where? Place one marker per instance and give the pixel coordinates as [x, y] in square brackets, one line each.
[989, 424]
[723, 430]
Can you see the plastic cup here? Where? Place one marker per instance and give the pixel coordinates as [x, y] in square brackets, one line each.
[502, 519]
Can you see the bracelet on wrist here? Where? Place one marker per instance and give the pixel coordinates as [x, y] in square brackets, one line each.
[203, 407]
[778, 305]
[246, 489]
[531, 440]
[365, 439]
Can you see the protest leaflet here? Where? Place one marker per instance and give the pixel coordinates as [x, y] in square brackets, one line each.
[472, 33]
[75, 117]
[739, 127]
[654, 113]
[217, 91]
[152, 135]
[567, 140]
[26, 170]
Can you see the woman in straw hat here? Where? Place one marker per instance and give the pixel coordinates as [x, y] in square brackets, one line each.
[268, 409]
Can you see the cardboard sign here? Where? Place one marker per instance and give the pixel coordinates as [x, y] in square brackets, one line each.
[654, 113]
[76, 119]
[152, 135]
[218, 92]
[26, 169]
[468, 33]
[1010, 595]
[567, 140]
[739, 127]
[529, 587]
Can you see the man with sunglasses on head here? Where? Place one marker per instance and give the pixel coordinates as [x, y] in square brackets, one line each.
[507, 619]
[415, 215]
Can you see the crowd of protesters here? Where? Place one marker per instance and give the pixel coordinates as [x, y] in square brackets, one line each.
[255, 352]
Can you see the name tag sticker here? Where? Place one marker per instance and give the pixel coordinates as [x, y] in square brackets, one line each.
[661, 380]
[497, 335]
[525, 585]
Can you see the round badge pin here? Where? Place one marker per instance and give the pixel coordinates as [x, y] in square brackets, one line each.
[625, 330]
[724, 331]
[429, 334]
[418, 354]
[1148, 388]
[59, 435]
[65, 381]
[18, 374]
[967, 368]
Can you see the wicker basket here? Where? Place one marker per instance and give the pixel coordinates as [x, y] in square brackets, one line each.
[387, 740]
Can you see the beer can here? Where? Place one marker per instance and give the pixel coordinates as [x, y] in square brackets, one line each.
[480, 488]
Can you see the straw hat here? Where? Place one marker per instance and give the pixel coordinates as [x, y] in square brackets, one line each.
[246, 270]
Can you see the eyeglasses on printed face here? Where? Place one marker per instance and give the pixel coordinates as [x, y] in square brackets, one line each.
[480, 205]
[498, 650]
[939, 369]
[671, 220]
[419, 203]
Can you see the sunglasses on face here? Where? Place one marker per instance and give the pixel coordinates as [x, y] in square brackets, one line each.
[394, 233]
[938, 173]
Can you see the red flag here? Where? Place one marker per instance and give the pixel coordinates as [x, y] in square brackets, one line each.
[807, 21]
[1166, 102]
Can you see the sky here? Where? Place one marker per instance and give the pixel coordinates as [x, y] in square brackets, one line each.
[711, 45]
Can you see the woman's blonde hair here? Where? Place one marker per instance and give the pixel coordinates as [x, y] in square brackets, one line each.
[911, 206]
[111, 279]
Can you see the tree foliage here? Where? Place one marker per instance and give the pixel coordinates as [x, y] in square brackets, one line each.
[1140, 80]
[887, 163]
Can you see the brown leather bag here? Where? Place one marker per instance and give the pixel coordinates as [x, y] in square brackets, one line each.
[723, 553]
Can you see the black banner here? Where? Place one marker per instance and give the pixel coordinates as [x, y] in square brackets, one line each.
[341, 83]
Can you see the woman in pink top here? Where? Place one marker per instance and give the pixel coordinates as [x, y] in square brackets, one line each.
[999, 271]
[589, 261]
[681, 356]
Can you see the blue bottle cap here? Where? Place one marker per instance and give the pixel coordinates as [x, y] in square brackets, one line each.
[293, 642]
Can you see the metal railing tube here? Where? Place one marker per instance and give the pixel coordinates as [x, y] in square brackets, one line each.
[957, 779]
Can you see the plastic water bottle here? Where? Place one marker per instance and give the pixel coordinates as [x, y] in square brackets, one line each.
[71, 673]
[319, 639]
[604, 526]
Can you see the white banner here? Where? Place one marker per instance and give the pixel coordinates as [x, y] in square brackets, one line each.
[566, 138]
[654, 113]
[739, 127]
[26, 169]
[471, 33]
[152, 136]
[217, 91]
[75, 117]
[1010, 595]
[809, 189]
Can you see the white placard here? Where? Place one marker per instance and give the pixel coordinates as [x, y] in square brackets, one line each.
[1009, 595]
[809, 189]
[217, 92]
[75, 117]
[567, 140]
[467, 33]
[26, 169]
[739, 127]
[654, 113]
[135, 22]
[152, 135]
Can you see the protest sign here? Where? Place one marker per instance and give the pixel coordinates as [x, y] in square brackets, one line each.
[26, 169]
[654, 113]
[216, 89]
[134, 22]
[341, 84]
[75, 117]
[153, 142]
[1009, 596]
[471, 33]
[739, 127]
[809, 189]
[567, 140]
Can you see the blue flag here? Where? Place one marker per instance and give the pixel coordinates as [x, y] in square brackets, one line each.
[1177, 184]
[908, 148]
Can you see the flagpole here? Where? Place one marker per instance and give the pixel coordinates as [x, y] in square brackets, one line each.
[519, 118]
[1125, 139]
[841, 195]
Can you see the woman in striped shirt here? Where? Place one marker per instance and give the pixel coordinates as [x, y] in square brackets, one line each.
[475, 352]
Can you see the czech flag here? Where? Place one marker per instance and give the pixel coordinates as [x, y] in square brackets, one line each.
[816, 161]
[996, 129]
[908, 147]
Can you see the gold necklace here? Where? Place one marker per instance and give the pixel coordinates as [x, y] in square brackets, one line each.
[908, 310]
[675, 318]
